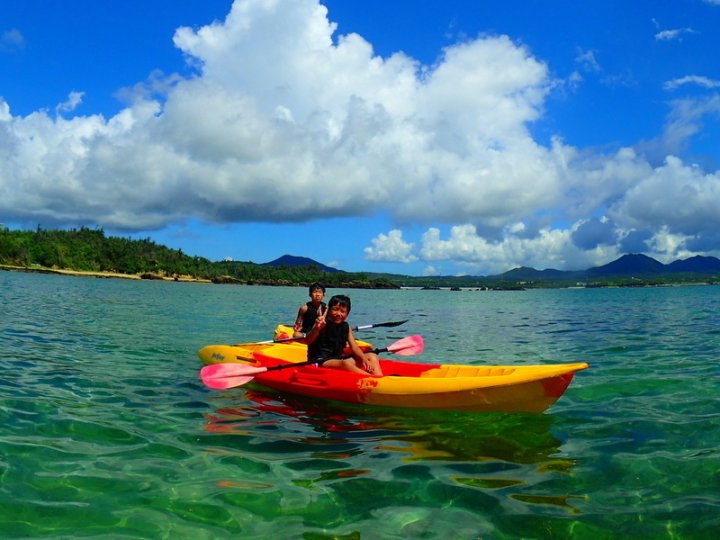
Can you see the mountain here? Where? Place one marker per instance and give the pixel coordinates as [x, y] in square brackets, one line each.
[698, 264]
[529, 274]
[292, 260]
[630, 265]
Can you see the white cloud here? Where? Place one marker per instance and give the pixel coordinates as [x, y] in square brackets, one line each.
[676, 33]
[698, 80]
[677, 197]
[156, 86]
[587, 61]
[431, 270]
[4, 111]
[574, 80]
[253, 133]
[678, 206]
[390, 247]
[685, 119]
[669, 246]
[73, 101]
[464, 245]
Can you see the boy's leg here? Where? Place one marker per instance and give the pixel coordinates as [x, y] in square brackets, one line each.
[374, 361]
[346, 363]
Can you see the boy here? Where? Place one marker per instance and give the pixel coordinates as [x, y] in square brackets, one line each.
[329, 335]
[308, 312]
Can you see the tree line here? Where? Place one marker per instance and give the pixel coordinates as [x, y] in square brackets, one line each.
[90, 250]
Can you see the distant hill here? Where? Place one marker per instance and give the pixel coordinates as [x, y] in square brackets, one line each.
[696, 264]
[292, 260]
[527, 273]
[630, 265]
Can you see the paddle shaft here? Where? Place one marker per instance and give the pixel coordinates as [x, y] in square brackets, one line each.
[388, 324]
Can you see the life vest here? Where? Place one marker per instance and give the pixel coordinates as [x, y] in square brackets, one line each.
[309, 316]
[330, 342]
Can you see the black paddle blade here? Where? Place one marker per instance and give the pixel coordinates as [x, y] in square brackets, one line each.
[392, 323]
[388, 324]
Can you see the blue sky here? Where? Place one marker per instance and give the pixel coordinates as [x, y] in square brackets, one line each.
[413, 137]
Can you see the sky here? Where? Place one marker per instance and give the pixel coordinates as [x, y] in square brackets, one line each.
[413, 137]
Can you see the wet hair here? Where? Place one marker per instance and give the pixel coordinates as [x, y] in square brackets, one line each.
[314, 286]
[340, 300]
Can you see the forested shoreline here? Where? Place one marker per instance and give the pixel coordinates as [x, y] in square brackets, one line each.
[90, 251]
[86, 251]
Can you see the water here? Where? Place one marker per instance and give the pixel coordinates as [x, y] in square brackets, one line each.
[106, 431]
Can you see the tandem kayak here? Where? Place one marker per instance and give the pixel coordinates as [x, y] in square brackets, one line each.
[483, 388]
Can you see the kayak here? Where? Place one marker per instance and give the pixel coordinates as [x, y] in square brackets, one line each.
[481, 388]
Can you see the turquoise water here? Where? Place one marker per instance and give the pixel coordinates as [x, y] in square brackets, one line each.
[108, 433]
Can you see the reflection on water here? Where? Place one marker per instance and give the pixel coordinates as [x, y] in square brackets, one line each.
[420, 435]
[326, 443]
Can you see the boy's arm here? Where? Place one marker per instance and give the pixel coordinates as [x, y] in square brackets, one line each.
[354, 347]
[299, 319]
[315, 330]
[312, 334]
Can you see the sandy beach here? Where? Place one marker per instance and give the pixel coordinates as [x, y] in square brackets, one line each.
[80, 273]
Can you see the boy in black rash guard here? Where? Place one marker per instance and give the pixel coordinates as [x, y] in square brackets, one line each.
[308, 312]
[329, 335]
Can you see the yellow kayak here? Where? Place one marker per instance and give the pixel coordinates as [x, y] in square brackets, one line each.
[405, 384]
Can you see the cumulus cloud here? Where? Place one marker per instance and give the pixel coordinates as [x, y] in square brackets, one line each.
[390, 247]
[669, 212]
[678, 197]
[251, 133]
[550, 248]
[280, 106]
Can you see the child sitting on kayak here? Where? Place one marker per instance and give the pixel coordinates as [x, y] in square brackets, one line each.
[308, 312]
[329, 336]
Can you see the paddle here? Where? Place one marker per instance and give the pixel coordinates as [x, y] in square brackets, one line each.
[388, 324]
[229, 375]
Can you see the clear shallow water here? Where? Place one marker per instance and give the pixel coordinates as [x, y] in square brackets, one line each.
[106, 431]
